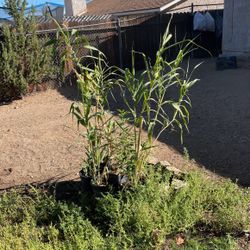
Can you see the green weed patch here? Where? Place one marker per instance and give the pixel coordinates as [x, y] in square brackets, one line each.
[204, 214]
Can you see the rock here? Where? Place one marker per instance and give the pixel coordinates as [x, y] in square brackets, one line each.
[226, 62]
[165, 163]
[10, 170]
[176, 172]
[178, 184]
[152, 160]
[7, 171]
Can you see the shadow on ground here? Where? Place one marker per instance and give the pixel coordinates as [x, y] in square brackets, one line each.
[63, 190]
[219, 137]
[70, 91]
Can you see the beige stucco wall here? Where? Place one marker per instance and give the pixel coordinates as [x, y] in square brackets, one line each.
[236, 31]
[75, 7]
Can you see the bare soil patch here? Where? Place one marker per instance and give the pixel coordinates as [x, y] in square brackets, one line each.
[39, 141]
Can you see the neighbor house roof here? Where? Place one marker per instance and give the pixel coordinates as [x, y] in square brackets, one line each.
[198, 5]
[127, 7]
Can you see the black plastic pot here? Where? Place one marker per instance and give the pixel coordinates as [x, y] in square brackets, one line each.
[86, 181]
[117, 181]
[98, 190]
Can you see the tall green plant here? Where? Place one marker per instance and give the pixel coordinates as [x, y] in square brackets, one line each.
[156, 98]
[148, 97]
[95, 82]
[39, 61]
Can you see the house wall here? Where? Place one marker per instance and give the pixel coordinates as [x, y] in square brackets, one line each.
[75, 7]
[236, 31]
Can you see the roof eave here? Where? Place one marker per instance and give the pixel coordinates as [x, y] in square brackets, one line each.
[170, 5]
[148, 11]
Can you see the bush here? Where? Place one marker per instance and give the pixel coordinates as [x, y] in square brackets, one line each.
[24, 57]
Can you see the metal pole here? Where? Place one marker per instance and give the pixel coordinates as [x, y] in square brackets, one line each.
[120, 42]
[192, 32]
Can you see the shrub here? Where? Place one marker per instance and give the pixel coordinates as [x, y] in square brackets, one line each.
[24, 57]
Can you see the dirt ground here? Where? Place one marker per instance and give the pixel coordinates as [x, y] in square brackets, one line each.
[39, 141]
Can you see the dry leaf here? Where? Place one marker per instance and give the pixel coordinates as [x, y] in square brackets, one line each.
[180, 240]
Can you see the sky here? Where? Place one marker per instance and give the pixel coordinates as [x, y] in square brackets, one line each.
[3, 13]
[36, 2]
